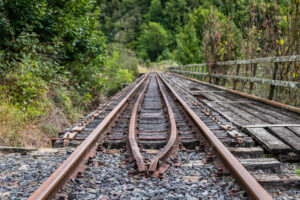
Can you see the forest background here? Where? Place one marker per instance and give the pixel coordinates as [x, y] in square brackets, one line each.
[60, 58]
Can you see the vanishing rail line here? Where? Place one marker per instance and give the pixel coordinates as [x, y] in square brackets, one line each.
[49, 188]
[148, 95]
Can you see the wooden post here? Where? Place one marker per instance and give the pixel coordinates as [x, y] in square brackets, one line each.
[224, 79]
[217, 80]
[237, 71]
[272, 87]
[202, 76]
[254, 67]
[214, 70]
[192, 70]
[209, 74]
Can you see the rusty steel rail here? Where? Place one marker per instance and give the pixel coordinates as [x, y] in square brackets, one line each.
[248, 181]
[71, 135]
[132, 132]
[249, 96]
[57, 179]
[163, 154]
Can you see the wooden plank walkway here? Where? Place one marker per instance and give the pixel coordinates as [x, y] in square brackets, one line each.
[288, 137]
[267, 140]
[276, 129]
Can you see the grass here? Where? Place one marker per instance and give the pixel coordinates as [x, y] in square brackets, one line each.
[19, 129]
[16, 131]
[155, 67]
[297, 172]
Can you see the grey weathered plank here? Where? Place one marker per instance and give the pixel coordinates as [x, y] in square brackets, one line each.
[280, 111]
[235, 97]
[209, 96]
[200, 87]
[206, 91]
[261, 115]
[220, 96]
[267, 140]
[280, 180]
[288, 137]
[284, 115]
[233, 116]
[265, 108]
[261, 163]
[246, 152]
[229, 115]
[296, 130]
[16, 149]
[243, 114]
[278, 114]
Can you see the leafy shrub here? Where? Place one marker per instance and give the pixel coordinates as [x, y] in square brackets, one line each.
[52, 56]
[53, 38]
[27, 92]
[72, 104]
[119, 70]
[188, 46]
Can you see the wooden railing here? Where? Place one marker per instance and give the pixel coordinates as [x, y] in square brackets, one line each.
[264, 75]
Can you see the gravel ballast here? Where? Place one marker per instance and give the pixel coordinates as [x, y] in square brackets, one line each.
[192, 180]
[22, 173]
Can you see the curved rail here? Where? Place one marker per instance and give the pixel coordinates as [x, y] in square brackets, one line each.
[247, 180]
[57, 179]
[163, 154]
[132, 132]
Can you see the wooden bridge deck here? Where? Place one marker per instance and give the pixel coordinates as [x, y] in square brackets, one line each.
[278, 130]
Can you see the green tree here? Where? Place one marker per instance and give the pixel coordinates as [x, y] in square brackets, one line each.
[121, 20]
[199, 19]
[174, 14]
[188, 46]
[153, 41]
[155, 13]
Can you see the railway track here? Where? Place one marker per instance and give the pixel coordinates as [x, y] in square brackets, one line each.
[153, 126]
[160, 138]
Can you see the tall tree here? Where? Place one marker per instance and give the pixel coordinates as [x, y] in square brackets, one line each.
[155, 13]
[152, 41]
[188, 46]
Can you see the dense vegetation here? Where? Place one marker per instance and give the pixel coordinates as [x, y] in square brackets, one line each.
[195, 31]
[54, 65]
[199, 31]
[60, 57]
